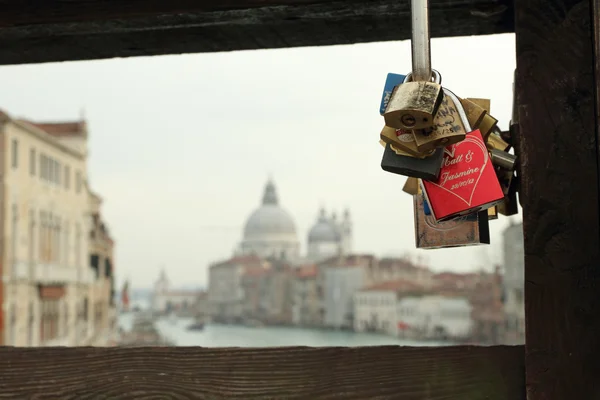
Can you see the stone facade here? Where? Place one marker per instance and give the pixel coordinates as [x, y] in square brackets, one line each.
[49, 293]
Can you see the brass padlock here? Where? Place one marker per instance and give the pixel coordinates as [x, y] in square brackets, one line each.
[469, 230]
[401, 139]
[411, 186]
[475, 113]
[483, 103]
[448, 128]
[413, 105]
[494, 141]
[509, 206]
[492, 213]
[487, 126]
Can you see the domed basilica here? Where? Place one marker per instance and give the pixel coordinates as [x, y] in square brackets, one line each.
[270, 232]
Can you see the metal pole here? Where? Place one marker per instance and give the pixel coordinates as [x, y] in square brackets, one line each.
[421, 52]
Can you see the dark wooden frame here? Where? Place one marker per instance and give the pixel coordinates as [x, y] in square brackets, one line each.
[558, 50]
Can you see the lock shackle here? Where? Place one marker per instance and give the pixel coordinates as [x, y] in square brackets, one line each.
[435, 77]
[461, 111]
[420, 40]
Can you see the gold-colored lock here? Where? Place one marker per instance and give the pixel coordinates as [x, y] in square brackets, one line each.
[495, 142]
[400, 140]
[411, 186]
[475, 113]
[483, 103]
[448, 127]
[493, 213]
[487, 126]
[413, 105]
[509, 206]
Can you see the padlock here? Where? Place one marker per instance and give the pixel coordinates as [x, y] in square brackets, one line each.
[414, 105]
[487, 123]
[503, 159]
[469, 230]
[448, 127]
[487, 126]
[494, 141]
[483, 103]
[391, 81]
[493, 213]
[401, 139]
[509, 205]
[467, 182]
[475, 113]
[411, 186]
[424, 168]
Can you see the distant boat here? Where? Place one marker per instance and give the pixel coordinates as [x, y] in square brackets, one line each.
[197, 325]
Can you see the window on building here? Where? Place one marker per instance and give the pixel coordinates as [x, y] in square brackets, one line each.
[14, 153]
[77, 246]
[58, 256]
[65, 319]
[78, 182]
[67, 170]
[15, 235]
[13, 325]
[30, 324]
[51, 169]
[31, 237]
[32, 161]
[66, 260]
[42, 237]
[58, 171]
[43, 166]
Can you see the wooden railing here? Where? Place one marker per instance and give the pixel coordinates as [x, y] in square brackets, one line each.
[387, 372]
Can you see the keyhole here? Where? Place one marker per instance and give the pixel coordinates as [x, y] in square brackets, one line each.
[408, 120]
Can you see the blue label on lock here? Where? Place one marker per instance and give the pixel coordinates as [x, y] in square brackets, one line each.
[391, 82]
[426, 209]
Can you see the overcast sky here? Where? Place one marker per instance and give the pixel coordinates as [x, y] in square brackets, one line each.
[181, 146]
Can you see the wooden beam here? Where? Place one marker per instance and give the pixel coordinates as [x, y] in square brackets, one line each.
[465, 372]
[556, 86]
[58, 30]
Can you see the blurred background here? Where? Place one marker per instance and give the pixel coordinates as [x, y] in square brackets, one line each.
[237, 199]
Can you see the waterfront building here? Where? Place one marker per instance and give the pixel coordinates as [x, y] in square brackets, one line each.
[431, 316]
[306, 300]
[514, 281]
[341, 278]
[226, 297]
[48, 286]
[270, 233]
[392, 269]
[375, 307]
[166, 299]
[329, 237]
[101, 256]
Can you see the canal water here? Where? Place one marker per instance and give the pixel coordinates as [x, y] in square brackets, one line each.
[216, 335]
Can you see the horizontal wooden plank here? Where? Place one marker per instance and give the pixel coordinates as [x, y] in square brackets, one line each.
[388, 372]
[58, 30]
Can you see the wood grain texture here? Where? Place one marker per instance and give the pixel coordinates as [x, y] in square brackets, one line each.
[388, 372]
[59, 30]
[559, 186]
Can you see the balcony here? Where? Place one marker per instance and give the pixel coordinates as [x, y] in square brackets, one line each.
[53, 273]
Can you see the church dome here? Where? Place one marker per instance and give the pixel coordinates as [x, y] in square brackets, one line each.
[270, 221]
[323, 230]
